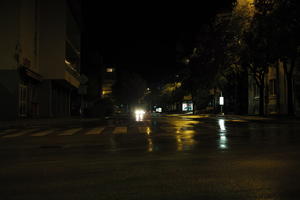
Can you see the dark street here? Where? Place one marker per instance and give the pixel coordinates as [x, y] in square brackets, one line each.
[141, 101]
[162, 157]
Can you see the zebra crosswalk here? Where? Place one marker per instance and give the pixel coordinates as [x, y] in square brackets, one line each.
[36, 132]
[42, 133]
[3, 132]
[95, 131]
[71, 131]
[19, 133]
[120, 130]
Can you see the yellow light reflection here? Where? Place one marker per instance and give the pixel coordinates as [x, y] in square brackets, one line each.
[183, 131]
[188, 133]
[184, 139]
[195, 116]
[150, 145]
[237, 120]
[148, 131]
[184, 123]
[179, 143]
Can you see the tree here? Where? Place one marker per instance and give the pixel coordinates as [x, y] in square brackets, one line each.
[249, 49]
[282, 18]
[215, 62]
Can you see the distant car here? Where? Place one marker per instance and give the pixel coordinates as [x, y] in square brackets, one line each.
[140, 114]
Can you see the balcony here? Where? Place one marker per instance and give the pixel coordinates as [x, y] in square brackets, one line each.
[71, 74]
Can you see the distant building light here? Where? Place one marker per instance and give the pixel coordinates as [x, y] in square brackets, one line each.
[106, 92]
[109, 70]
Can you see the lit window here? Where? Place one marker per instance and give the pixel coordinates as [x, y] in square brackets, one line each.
[109, 70]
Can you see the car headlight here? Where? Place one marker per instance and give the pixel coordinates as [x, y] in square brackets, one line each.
[139, 112]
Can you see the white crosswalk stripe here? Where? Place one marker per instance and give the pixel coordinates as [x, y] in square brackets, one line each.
[35, 132]
[2, 132]
[20, 133]
[120, 130]
[43, 133]
[95, 131]
[70, 131]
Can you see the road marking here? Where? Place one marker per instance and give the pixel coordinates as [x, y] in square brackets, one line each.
[43, 133]
[144, 130]
[95, 131]
[120, 130]
[19, 133]
[70, 131]
[7, 131]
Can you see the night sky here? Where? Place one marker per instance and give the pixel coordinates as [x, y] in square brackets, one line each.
[142, 38]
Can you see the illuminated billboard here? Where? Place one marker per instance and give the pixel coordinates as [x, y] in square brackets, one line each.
[187, 106]
[159, 110]
[221, 101]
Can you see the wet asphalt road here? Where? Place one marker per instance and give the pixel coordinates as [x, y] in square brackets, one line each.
[166, 157]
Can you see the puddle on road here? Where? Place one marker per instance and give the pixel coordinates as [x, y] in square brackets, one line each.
[221, 135]
[184, 133]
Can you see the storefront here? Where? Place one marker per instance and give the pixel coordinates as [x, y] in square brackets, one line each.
[28, 98]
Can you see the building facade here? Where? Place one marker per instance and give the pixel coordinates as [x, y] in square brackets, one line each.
[276, 97]
[108, 80]
[39, 58]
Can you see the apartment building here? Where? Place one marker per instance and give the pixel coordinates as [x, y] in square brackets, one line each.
[39, 58]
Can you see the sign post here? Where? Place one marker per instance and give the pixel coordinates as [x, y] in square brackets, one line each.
[221, 103]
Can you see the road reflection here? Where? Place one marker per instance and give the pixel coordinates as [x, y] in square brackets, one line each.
[185, 134]
[185, 139]
[150, 144]
[181, 130]
[149, 139]
[222, 134]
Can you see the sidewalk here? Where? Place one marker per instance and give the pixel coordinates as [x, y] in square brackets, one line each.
[270, 118]
[50, 122]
